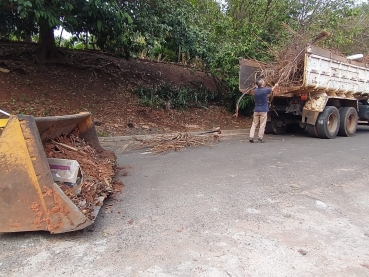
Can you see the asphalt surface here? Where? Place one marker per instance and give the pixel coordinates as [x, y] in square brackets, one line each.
[293, 206]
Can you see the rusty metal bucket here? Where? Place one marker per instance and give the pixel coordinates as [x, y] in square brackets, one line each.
[29, 198]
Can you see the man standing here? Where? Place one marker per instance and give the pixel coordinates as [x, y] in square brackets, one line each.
[261, 109]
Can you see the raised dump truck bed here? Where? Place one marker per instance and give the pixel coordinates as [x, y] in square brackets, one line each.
[328, 99]
[335, 75]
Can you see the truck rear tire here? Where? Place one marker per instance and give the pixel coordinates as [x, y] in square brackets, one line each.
[278, 125]
[268, 128]
[312, 131]
[328, 123]
[348, 121]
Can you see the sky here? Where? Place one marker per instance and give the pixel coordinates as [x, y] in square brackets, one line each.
[65, 34]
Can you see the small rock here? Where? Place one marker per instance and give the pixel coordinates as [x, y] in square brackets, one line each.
[4, 70]
[321, 204]
[82, 203]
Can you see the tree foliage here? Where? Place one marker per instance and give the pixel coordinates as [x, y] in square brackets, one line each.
[104, 19]
[205, 31]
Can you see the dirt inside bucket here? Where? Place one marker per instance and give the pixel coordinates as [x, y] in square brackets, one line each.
[98, 170]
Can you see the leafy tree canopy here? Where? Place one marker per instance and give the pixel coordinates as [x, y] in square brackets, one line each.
[104, 19]
[200, 30]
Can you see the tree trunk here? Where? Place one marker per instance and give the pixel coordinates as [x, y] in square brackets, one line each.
[61, 36]
[47, 49]
[86, 45]
[28, 37]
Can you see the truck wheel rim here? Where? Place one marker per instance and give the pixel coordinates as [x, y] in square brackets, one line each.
[351, 122]
[332, 122]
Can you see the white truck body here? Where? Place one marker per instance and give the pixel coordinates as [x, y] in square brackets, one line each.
[335, 74]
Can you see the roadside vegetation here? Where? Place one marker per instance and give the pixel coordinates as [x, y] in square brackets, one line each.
[202, 34]
[167, 97]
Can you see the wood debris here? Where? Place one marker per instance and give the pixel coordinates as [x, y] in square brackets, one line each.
[4, 70]
[180, 141]
[98, 171]
[288, 68]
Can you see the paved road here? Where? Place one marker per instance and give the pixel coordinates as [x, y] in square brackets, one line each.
[294, 206]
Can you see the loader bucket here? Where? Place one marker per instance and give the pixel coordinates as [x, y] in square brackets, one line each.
[29, 198]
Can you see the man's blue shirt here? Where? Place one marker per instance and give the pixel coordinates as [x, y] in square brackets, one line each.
[261, 99]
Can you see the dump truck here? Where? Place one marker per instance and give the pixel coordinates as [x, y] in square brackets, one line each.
[330, 99]
[30, 200]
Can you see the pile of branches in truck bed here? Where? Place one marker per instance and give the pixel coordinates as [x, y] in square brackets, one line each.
[97, 168]
[288, 66]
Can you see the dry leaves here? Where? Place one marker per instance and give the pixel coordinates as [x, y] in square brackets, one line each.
[97, 168]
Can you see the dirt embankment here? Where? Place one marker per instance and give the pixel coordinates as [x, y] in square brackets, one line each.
[104, 85]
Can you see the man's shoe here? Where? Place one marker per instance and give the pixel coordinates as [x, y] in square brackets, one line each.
[260, 141]
[251, 140]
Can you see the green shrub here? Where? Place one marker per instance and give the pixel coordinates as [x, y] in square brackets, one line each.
[164, 95]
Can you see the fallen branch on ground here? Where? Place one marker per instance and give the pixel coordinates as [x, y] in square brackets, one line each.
[239, 100]
[179, 141]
